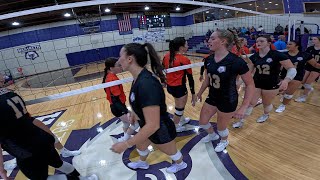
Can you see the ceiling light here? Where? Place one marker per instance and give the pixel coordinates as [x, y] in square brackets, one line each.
[107, 10]
[178, 8]
[250, 4]
[67, 15]
[207, 12]
[15, 24]
[276, 4]
[228, 10]
[270, 2]
[146, 8]
[265, 8]
[257, 6]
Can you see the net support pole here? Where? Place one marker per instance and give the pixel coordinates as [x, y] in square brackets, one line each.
[289, 30]
[294, 30]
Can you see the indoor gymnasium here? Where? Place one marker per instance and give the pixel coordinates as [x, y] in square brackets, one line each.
[159, 89]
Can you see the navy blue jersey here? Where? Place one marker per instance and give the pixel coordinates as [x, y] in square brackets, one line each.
[223, 75]
[18, 135]
[299, 61]
[146, 91]
[268, 67]
[316, 55]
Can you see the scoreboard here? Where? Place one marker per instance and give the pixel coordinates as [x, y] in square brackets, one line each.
[154, 20]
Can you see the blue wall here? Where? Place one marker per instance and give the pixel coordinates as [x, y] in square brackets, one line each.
[92, 55]
[72, 30]
[296, 6]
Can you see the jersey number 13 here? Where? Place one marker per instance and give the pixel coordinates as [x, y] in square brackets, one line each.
[214, 80]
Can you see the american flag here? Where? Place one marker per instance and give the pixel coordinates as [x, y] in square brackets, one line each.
[124, 23]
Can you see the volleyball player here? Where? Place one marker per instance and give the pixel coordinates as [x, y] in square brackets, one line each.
[63, 151]
[30, 145]
[312, 73]
[244, 50]
[202, 67]
[117, 99]
[147, 99]
[299, 59]
[240, 49]
[267, 65]
[176, 81]
[222, 69]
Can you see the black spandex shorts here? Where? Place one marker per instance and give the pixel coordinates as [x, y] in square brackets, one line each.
[118, 109]
[166, 133]
[177, 91]
[222, 104]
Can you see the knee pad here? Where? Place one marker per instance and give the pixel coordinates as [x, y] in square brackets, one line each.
[135, 126]
[268, 108]
[307, 86]
[206, 126]
[66, 168]
[143, 153]
[179, 111]
[249, 111]
[125, 125]
[223, 133]
[287, 96]
[176, 156]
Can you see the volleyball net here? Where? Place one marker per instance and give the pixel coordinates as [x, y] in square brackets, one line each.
[72, 66]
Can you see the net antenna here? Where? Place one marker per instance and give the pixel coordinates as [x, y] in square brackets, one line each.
[89, 18]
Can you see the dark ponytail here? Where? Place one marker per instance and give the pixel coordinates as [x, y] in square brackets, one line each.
[110, 62]
[237, 43]
[141, 52]
[156, 65]
[297, 43]
[174, 46]
[172, 53]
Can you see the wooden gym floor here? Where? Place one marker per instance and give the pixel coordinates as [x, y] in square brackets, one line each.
[287, 146]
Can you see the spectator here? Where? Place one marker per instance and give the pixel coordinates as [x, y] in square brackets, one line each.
[260, 29]
[253, 30]
[208, 34]
[286, 30]
[281, 43]
[272, 39]
[278, 30]
[243, 30]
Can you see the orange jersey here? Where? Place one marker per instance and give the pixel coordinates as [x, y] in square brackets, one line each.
[179, 77]
[114, 90]
[243, 50]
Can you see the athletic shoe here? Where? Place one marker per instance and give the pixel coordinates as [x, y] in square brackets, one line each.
[184, 120]
[176, 167]
[281, 108]
[92, 177]
[138, 165]
[263, 118]
[210, 137]
[301, 99]
[11, 166]
[238, 124]
[180, 128]
[66, 153]
[221, 146]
